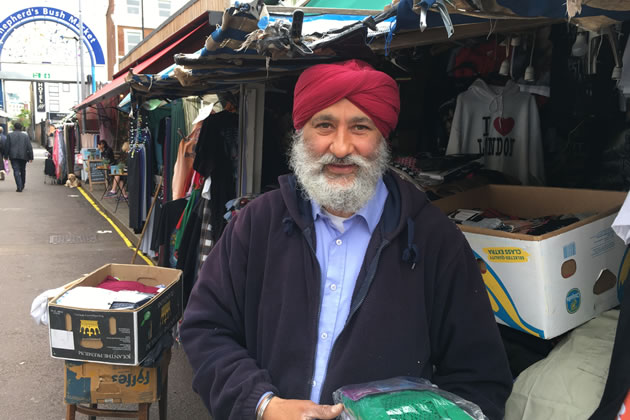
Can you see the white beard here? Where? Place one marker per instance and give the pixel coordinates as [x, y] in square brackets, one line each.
[334, 193]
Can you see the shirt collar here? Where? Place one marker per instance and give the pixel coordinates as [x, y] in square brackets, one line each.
[371, 212]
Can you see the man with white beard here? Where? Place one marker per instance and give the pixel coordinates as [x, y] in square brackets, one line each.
[346, 274]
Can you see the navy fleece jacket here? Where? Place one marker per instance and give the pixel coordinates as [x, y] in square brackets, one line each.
[419, 308]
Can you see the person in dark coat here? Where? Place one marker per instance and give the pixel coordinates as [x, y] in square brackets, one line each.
[107, 153]
[19, 150]
[3, 141]
[346, 274]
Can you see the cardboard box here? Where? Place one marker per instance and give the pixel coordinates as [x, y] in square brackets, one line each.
[121, 337]
[95, 383]
[546, 285]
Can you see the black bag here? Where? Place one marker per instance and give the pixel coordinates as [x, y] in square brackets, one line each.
[49, 167]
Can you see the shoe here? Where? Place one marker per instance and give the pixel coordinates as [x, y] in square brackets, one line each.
[110, 194]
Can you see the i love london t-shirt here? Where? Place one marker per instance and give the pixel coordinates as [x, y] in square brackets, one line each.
[501, 123]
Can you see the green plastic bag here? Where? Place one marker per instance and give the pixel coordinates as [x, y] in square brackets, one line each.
[403, 398]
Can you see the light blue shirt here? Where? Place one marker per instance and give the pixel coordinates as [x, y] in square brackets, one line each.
[340, 256]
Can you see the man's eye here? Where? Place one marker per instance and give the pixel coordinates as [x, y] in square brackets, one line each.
[323, 125]
[360, 127]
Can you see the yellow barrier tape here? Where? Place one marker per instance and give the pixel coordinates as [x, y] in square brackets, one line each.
[111, 222]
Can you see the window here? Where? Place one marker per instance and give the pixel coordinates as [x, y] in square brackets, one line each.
[133, 7]
[164, 7]
[65, 87]
[53, 90]
[132, 38]
[53, 105]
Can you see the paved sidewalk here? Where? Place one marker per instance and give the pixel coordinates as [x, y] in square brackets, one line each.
[50, 235]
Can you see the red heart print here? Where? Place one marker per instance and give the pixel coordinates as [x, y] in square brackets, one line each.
[503, 125]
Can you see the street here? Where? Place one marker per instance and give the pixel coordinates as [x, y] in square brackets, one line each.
[49, 236]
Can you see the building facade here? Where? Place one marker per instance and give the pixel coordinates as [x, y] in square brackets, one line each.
[129, 21]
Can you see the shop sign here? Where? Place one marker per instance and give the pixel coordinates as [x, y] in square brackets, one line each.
[40, 96]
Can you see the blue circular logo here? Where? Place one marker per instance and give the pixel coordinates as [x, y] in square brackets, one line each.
[574, 299]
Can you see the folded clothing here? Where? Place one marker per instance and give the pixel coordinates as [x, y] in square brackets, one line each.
[403, 398]
[112, 283]
[405, 405]
[97, 298]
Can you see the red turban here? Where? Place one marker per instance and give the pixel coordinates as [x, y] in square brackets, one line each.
[372, 91]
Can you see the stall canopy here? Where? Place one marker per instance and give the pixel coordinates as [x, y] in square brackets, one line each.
[119, 85]
[591, 14]
[257, 43]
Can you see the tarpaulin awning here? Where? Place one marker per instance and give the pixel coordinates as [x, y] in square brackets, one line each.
[114, 87]
[257, 43]
[591, 14]
[119, 84]
[254, 45]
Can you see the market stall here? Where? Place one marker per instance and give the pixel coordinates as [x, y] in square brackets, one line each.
[493, 93]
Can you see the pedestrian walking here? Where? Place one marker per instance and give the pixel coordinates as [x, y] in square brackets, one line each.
[3, 141]
[19, 149]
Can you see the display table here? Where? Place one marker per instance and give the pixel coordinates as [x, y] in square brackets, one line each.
[108, 185]
[120, 184]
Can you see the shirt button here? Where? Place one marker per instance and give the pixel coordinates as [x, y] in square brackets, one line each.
[338, 242]
[333, 287]
[324, 336]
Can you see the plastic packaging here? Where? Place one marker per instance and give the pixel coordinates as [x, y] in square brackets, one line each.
[403, 398]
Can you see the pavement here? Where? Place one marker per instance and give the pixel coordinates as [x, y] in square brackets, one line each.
[49, 236]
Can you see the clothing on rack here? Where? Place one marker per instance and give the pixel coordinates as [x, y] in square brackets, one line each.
[214, 158]
[501, 123]
[166, 147]
[166, 221]
[188, 247]
[183, 170]
[205, 236]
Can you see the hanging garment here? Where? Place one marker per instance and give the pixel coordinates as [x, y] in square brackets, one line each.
[55, 156]
[192, 203]
[216, 131]
[62, 170]
[147, 239]
[167, 220]
[70, 147]
[618, 380]
[214, 158]
[188, 250]
[183, 171]
[205, 237]
[166, 173]
[501, 123]
[134, 188]
[179, 130]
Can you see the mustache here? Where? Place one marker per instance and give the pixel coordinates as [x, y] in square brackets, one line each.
[330, 159]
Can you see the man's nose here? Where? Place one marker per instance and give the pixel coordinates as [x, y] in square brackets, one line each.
[341, 145]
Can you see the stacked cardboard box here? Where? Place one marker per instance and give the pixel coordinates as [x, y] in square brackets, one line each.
[546, 285]
[121, 337]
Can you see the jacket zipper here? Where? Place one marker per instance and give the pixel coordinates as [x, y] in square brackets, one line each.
[368, 279]
[319, 309]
